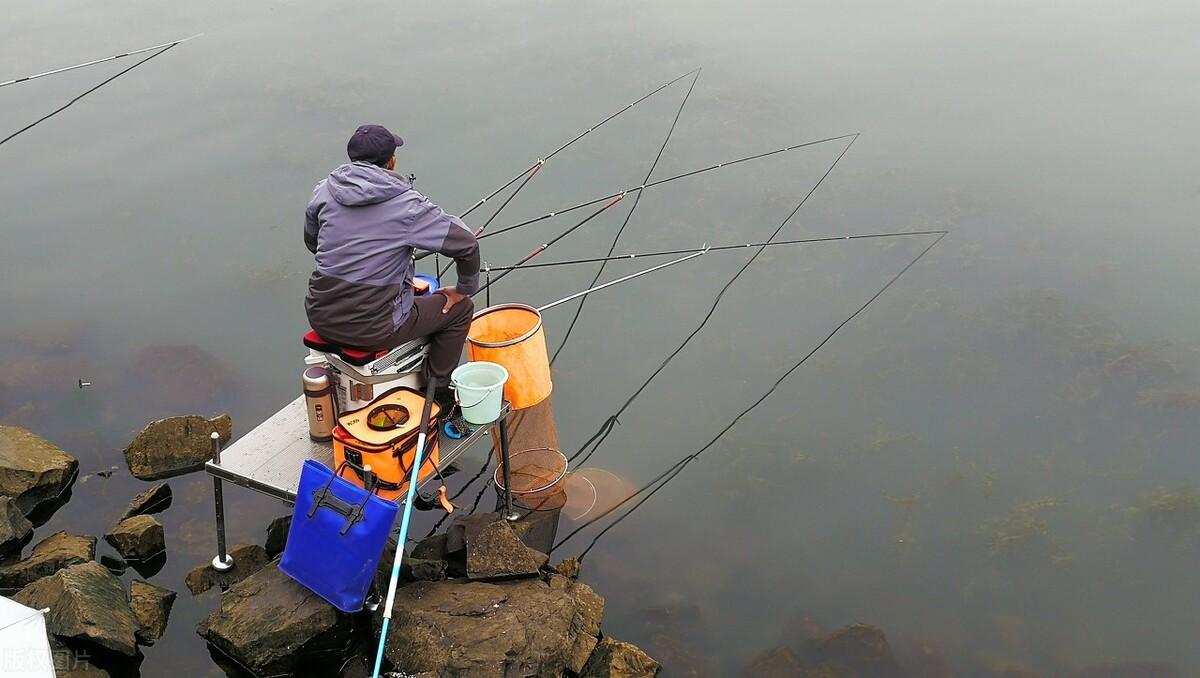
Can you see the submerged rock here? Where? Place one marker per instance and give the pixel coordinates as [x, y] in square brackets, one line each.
[270, 624]
[247, 559]
[114, 564]
[777, 662]
[174, 446]
[184, 377]
[526, 628]
[277, 534]
[49, 555]
[1129, 670]
[138, 539]
[33, 471]
[495, 552]
[15, 528]
[617, 659]
[154, 500]
[88, 604]
[862, 649]
[151, 607]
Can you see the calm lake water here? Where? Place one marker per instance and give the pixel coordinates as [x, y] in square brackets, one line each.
[997, 461]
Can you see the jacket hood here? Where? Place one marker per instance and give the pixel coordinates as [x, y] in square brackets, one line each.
[358, 183]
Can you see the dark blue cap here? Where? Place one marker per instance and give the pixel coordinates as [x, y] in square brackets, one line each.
[373, 144]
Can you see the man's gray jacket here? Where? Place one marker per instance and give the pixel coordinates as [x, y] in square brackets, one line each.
[363, 223]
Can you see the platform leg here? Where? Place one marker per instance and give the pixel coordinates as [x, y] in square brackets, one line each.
[509, 514]
[223, 562]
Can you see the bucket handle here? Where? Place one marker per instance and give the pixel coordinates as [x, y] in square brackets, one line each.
[489, 392]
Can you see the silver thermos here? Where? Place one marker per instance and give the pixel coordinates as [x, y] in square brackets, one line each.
[318, 396]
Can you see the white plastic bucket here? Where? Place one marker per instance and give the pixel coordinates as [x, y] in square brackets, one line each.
[479, 389]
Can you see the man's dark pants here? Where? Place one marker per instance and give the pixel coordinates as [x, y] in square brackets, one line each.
[447, 333]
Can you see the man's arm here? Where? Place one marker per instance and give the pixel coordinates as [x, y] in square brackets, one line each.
[312, 225]
[434, 230]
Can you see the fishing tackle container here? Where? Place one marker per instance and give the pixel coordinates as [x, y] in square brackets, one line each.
[511, 336]
[383, 435]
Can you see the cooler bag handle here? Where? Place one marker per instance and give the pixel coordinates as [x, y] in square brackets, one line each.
[353, 513]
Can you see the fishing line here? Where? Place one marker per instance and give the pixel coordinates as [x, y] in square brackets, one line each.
[606, 428]
[628, 216]
[642, 187]
[717, 248]
[674, 470]
[563, 147]
[93, 89]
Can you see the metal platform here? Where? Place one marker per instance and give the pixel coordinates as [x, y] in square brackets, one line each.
[268, 459]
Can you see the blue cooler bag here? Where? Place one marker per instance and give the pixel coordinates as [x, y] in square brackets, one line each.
[337, 536]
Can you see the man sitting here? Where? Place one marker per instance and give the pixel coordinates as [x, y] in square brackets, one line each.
[363, 223]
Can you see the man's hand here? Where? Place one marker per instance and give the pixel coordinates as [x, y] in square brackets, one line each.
[452, 295]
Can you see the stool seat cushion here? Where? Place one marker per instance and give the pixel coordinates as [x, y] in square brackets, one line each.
[355, 356]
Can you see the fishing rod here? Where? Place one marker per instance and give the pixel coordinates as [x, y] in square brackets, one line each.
[675, 469]
[542, 161]
[97, 61]
[618, 281]
[606, 428]
[684, 175]
[532, 171]
[70, 103]
[442, 271]
[719, 248]
[628, 215]
[543, 247]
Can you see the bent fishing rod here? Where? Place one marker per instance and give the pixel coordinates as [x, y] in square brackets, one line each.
[675, 469]
[660, 182]
[718, 248]
[545, 246]
[606, 428]
[97, 61]
[530, 172]
[628, 215]
[541, 161]
[86, 92]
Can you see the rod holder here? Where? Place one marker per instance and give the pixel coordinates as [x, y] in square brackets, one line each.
[509, 514]
[223, 562]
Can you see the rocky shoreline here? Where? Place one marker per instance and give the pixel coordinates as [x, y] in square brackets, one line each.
[479, 599]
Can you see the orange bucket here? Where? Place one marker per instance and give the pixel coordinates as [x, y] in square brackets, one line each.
[511, 335]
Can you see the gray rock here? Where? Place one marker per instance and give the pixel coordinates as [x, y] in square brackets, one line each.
[540, 559]
[431, 548]
[151, 607]
[174, 446]
[68, 663]
[33, 470]
[49, 555]
[495, 552]
[617, 659]
[569, 568]
[425, 570]
[861, 649]
[270, 624]
[277, 534]
[247, 559]
[154, 500]
[114, 564]
[137, 539]
[522, 628]
[15, 528]
[87, 604]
